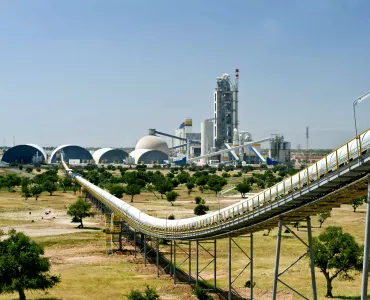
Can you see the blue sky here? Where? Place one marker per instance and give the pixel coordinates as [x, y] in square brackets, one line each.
[100, 73]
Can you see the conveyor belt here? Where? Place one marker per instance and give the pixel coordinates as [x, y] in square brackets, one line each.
[336, 178]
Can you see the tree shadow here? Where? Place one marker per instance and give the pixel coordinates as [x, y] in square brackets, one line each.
[92, 228]
[350, 297]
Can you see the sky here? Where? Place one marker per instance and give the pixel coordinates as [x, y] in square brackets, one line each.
[101, 73]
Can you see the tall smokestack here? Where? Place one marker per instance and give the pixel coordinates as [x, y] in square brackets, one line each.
[235, 102]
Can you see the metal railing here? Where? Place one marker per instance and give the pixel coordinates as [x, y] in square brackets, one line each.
[345, 155]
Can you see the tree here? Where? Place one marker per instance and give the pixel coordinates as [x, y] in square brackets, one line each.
[357, 202]
[133, 189]
[36, 190]
[151, 189]
[183, 177]
[149, 294]
[323, 216]
[199, 200]
[23, 267]
[29, 170]
[336, 254]
[201, 182]
[66, 183]
[117, 190]
[201, 209]
[25, 190]
[163, 185]
[216, 183]
[190, 185]
[79, 210]
[243, 188]
[172, 196]
[50, 187]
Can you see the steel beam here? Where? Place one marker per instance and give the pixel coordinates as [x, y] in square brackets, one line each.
[309, 251]
[251, 267]
[189, 261]
[174, 262]
[277, 259]
[198, 271]
[365, 267]
[134, 242]
[145, 250]
[229, 268]
[214, 266]
[157, 256]
[197, 263]
[187, 253]
[171, 265]
[312, 265]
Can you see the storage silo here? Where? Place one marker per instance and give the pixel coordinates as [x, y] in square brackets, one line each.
[206, 139]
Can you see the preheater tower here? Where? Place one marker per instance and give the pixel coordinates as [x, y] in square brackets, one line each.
[225, 109]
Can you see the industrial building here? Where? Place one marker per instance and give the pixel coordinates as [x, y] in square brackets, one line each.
[72, 155]
[222, 131]
[109, 156]
[280, 150]
[225, 109]
[150, 150]
[25, 154]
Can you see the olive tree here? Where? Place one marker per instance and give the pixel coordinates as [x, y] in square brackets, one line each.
[36, 190]
[23, 266]
[357, 202]
[336, 254]
[323, 216]
[132, 190]
[117, 190]
[172, 196]
[243, 188]
[79, 210]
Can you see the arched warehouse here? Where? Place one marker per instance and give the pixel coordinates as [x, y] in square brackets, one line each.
[72, 154]
[25, 154]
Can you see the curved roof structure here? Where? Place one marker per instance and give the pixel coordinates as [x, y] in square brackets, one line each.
[109, 155]
[152, 142]
[28, 153]
[71, 152]
[148, 156]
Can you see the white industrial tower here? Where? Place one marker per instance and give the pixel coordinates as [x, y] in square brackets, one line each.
[225, 109]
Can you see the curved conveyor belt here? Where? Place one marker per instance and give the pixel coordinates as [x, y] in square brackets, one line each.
[340, 168]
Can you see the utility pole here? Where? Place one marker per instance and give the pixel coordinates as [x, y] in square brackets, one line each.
[307, 137]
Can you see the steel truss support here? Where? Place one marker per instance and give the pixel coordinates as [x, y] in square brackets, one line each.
[160, 255]
[231, 280]
[365, 268]
[213, 256]
[308, 251]
[185, 253]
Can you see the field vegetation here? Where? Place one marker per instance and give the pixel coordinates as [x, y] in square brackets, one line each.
[86, 272]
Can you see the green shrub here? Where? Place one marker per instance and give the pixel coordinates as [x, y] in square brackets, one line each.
[199, 200]
[149, 294]
[201, 294]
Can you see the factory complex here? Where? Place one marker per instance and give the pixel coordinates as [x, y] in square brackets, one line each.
[220, 141]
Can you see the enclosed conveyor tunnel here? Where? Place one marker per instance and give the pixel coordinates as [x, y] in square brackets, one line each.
[342, 166]
[341, 174]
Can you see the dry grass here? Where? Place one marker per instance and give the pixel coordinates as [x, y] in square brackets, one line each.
[87, 273]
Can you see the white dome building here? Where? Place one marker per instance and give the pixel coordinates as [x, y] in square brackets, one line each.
[152, 142]
[109, 156]
[150, 150]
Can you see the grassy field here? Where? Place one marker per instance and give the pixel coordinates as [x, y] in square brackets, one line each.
[88, 273]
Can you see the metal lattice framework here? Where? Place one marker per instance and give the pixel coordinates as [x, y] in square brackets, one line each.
[318, 187]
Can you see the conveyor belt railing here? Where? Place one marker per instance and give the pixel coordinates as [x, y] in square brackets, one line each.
[342, 166]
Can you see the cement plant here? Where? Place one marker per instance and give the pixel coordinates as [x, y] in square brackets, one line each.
[220, 141]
